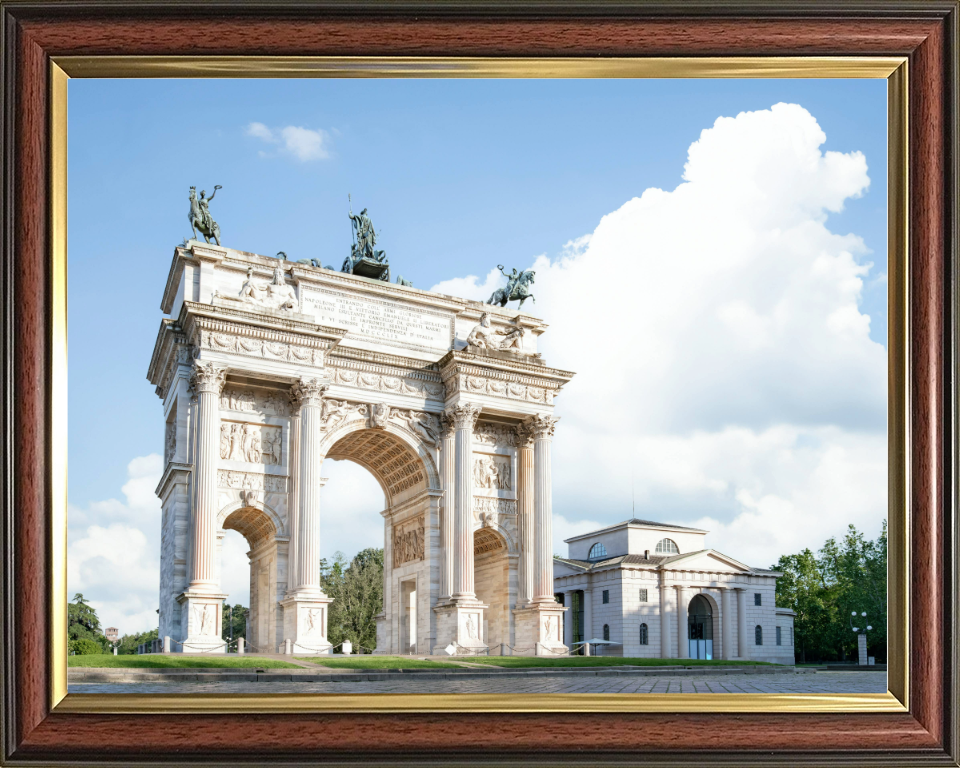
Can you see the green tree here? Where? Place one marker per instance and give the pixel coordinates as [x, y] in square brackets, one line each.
[235, 619]
[826, 588]
[357, 592]
[83, 622]
[128, 643]
[85, 647]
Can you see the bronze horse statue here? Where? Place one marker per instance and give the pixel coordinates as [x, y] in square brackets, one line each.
[518, 289]
[199, 216]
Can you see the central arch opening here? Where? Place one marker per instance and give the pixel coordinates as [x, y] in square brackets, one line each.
[700, 628]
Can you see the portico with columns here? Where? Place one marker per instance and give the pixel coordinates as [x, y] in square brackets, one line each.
[655, 590]
[267, 368]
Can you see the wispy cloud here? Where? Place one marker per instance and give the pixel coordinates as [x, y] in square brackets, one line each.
[305, 144]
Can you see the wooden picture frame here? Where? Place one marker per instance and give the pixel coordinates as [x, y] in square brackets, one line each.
[915, 43]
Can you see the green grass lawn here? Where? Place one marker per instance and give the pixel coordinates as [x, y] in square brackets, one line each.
[177, 660]
[379, 662]
[513, 662]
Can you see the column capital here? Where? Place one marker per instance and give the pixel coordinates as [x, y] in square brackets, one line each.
[448, 425]
[738, 589]
[542, 426]
[524, 432]
[464, 415]
[308, 391]
[207, 378]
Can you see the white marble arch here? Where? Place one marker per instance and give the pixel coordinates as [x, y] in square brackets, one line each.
[348, 368]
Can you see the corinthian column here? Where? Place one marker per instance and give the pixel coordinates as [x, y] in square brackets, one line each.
[525, 505]
[293, 498]
[309, 393]
[207, 382]
[464, 417]
[542, 428]
[683, 641]
[448, 479]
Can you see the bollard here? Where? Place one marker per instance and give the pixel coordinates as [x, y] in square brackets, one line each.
[166, 643]
[240, 646]
[288, 647]
[114, 650]
[346, 648]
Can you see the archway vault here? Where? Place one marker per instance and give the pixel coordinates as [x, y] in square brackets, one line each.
[258, 524]
[401, 471]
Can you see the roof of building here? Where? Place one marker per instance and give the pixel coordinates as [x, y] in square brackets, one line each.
[654, 561]
[635, 521]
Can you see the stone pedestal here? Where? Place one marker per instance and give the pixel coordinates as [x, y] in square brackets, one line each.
[305, 623]
[539, 630]
[202, 616]
[461, 624]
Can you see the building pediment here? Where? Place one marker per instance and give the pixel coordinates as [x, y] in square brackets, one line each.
[704, 560]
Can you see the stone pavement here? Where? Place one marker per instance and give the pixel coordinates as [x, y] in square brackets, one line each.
[821, 682]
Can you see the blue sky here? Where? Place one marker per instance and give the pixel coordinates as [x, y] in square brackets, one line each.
[458, 176]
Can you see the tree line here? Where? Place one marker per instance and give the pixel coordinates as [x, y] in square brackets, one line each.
[824, 589]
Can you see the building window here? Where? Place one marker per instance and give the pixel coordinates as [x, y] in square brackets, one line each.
[756, 599]
[758, 635]
[643, 595]
[667, 547]
[606, 631]
[644, 635]
[597, 551]
[606, 596]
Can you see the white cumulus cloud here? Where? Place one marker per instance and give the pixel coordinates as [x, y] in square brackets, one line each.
[724, 370]
[304, 144]
[113, 551]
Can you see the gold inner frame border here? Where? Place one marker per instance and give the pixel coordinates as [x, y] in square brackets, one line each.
[893, 69]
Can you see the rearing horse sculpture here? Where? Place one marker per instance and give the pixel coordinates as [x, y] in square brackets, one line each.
[199, 216]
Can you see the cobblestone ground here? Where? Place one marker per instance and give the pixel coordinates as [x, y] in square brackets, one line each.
[822, 682]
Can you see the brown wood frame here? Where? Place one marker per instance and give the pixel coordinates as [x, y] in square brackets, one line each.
[925, 32]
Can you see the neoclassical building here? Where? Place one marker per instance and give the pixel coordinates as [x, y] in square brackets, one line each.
[657, 591]
[266, 367]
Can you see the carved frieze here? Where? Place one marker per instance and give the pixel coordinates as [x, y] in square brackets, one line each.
[254, 443]
[492, 472]
[250, 401]
[265, 349]
[425, 425]
[487, 433]
[408, 542]
[484, 506]
[254, 481]
[379, 382]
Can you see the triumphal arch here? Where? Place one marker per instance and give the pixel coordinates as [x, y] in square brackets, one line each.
[267, 367]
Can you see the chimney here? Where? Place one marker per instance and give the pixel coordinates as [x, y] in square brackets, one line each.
[646, 554]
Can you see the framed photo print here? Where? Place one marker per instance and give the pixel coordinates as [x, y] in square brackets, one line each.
[464, 384]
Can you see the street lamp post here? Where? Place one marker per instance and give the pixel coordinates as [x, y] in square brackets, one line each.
[861, 636]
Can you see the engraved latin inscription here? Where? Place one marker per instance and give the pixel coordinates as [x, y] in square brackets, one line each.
[380, 320]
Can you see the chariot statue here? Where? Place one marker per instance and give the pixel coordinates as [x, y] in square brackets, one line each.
[200, 217]
[518, 288]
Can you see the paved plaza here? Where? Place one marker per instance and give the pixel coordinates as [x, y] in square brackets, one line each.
[821, 682]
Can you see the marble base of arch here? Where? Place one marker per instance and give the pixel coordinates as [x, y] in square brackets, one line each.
[460, 624]
[202, 615]
[539, 630]
[305, 623]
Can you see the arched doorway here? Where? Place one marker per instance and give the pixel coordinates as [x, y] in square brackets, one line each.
[267, 540]
[700, 628]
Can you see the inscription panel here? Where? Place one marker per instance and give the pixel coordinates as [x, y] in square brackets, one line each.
[379, 320]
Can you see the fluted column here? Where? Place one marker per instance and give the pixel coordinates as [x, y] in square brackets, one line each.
[542, 427]
[664, 621]
[207, 382]
[448, 481]
[465, 417]
[525, 512]
[309, 393]
[683, 600]
[726, 624]
[742, 622]
[293, 497]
